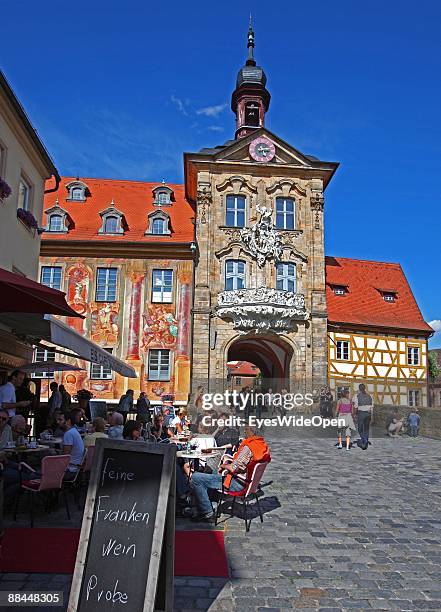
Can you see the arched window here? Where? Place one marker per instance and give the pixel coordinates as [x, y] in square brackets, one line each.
[158, 226]
[56, 223]
[286, 277]
[234, 274]
[235, 211]
[285, 214]
[252, 114]
[111, 225]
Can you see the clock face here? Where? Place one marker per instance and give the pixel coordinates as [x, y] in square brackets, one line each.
[262, 149]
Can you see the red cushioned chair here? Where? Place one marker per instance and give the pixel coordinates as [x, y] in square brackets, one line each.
[53, 468]
[251, 486]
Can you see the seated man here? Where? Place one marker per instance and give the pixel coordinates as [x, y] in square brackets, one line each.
[72, 444]
[19, 427]
[252, 450]
[116, 422]
[394, 424]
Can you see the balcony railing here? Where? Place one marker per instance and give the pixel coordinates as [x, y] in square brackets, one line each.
[262, 309]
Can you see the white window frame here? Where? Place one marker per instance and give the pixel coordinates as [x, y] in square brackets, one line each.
[236, 210]
[286, 214]
[117, 219]
[43, 355]
[62, 227]
[164, 293]
[413, 396]
[27, 198]
[108, 272]
[413, 355]
[162, 359]
[51, 283]
[389, 297]
[101, 372]
[155, 222]
[339, 290]
[284, 277]
[235, 274]
[342, 350]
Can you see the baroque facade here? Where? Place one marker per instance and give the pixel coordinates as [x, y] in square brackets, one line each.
[238, 253]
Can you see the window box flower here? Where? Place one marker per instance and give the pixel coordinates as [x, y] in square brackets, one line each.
[5, 190]
[27, 218]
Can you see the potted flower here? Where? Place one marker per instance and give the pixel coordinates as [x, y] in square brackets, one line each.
[28, 218]
[5, 190]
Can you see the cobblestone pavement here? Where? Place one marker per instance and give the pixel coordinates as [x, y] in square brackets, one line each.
[342, 531]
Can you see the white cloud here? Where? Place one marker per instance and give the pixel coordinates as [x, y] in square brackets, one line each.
[212, 111]
[436, 325]
[180, 104]
[215, 128]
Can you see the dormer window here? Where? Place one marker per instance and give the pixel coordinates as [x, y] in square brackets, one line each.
[163, 195]
[339, 289]
[113, 221]
[77, 191]
[55, 223]
[159, 224]
[388, 295]
[58, 220]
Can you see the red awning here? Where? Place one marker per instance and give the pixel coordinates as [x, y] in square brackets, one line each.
[20, 294]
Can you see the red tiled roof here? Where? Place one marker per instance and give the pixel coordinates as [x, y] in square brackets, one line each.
[134, 199]
[242, 368]
[363, 304]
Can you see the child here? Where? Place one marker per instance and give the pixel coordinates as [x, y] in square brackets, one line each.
[344, 412]
[413, 420]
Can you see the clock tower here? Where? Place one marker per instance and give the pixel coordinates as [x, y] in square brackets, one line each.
[250, 99]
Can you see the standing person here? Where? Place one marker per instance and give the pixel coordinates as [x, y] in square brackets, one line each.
[268, 403]
[126, 404]
[364, 405]
[66, 398]
[8, 399]
[143, 408]
[23, 394]
[73, 444]
[326, 401]
[413, 420]
[55, 399]
[344, 413]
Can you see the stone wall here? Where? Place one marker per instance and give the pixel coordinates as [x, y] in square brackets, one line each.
[430, 424]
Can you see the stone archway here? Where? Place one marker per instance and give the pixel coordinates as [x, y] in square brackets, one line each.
[269, 353]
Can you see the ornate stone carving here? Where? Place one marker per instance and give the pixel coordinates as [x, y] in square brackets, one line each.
[263, 240]
[203, 201]
[261, 310]
[317, 204]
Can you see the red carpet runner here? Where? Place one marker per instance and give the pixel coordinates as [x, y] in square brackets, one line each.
[53, 551]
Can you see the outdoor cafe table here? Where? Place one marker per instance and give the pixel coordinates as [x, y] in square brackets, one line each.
[192, 456]
[52, 442]
[24, 451]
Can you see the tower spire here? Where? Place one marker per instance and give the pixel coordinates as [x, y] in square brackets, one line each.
[250, 59]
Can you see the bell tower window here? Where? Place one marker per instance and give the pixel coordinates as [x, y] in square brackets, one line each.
[252, 114]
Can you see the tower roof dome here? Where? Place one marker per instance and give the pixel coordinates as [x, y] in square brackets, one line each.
[251, 73]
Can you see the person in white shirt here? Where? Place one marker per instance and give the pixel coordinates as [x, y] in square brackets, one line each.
[8, 401]
[72, 443]
[180, 421]
[5, 429]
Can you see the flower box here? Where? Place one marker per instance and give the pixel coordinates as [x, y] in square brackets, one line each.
[27, 218]
[5, 190]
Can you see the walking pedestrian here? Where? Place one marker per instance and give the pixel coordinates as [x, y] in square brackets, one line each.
[326, 401]
[413, 420]
[345, 408]
[364, 406]
[126, 404]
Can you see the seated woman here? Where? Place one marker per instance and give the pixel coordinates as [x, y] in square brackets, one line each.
[132, 431]
[98, 431]
[159, 430]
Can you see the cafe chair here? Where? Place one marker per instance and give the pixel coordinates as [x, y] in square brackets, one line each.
[74, 485]
[53, 468]
[89, 460]
[251, 486]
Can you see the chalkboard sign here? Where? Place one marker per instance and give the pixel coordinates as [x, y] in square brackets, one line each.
[126, 550]
[98, 408]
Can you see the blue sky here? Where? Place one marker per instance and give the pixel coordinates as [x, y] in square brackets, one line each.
[120, 90]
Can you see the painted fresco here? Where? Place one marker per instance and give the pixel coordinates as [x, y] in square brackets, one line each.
[160, 327]
[104, 329]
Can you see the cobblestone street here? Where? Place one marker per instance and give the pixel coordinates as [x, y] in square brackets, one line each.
[342, 530]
